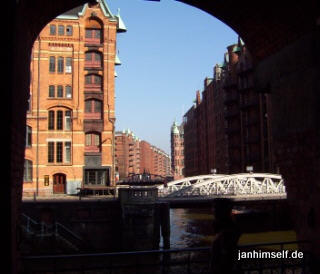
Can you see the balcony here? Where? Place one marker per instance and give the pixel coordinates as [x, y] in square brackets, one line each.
[93, 87]
[93, 66]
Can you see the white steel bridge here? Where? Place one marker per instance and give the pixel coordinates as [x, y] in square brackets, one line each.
[215, 185]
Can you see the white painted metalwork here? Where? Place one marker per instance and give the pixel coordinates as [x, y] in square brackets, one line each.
[218, 185]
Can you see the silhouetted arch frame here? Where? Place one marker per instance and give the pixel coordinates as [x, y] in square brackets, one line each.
[265, 26]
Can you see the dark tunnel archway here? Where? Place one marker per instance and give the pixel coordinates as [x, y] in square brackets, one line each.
[273, 34]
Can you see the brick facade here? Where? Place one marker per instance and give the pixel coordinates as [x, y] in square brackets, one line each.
[135, 157]
[71, 118]
[228, 129]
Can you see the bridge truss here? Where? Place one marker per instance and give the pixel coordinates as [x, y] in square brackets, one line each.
[263, 184]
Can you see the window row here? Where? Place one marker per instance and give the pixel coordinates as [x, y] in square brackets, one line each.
[57, 64]
[62, 30]
[59, 152]
[60, 91]
[59, 120]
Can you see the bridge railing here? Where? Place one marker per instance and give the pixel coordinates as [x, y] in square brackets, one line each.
[236, 184]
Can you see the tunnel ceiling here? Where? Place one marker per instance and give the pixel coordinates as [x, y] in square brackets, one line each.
[265, 26]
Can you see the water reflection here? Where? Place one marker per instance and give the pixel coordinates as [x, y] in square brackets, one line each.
[190, 227]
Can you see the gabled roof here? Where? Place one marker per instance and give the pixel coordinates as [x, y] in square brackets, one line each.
[79, 11]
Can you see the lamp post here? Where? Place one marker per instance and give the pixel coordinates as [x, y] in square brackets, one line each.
[249, 169]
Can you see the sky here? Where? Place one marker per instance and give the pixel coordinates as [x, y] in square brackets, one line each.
[167, 52]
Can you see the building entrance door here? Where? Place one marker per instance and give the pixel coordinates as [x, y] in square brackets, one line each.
[59, 183]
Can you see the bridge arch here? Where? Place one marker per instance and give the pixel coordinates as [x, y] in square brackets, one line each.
[267, 29]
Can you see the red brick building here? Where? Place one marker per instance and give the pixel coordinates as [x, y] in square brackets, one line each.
[70, 120]
[136, 157]
[229, 128]
[177, 151]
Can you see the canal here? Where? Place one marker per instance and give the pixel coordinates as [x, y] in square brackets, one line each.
[193, 228]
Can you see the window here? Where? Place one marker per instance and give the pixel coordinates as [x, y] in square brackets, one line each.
[93, 59]
[59, 146]
[27, 174]
[60, 64]
[60, 30]
[59, 119]
[50, 152]
[93, 36]
[68, 65]
[51, 91]
[96, 177]
[68, 121]
[67, 152]
[93, 82]
[53, 29]
[29, 136]
[56, 152]
[92, 142]
[60, 91]
[29, 103]
[52, 64]
[69, 30]
[51, 120]
[60, 124]
[93, 109]
[68, 92]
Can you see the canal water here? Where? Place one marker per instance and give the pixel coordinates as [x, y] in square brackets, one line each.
[190, 227]
[193, 228]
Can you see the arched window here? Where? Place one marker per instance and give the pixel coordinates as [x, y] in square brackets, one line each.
[93, 82]
[93, 33]
[93, 59]
[93, 109]
[92, 143]
[27, 175]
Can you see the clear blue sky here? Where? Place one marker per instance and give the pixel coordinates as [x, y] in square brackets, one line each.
[168, 50]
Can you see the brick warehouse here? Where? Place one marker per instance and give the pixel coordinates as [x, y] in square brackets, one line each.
[229, 128]
[70, 119]
[134, 157]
